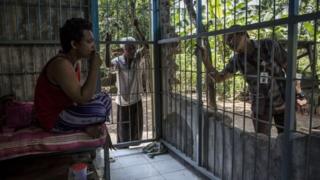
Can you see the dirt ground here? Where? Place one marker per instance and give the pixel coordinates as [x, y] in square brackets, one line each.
[148, 124]
[238, 110]
[242, 120]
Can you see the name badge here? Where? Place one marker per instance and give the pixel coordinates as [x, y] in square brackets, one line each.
[264, 78]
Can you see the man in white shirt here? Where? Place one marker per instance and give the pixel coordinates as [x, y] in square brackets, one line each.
[128, 68]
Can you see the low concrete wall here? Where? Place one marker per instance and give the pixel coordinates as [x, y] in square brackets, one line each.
[231, 153]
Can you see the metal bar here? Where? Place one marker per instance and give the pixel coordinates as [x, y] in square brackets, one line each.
[157, 68]
[60, 13]
[257, 97]
[106, 172]
[277, 22]
[70, 9]
[244, 103]
[233, 104]
[180, 90]
[28, 21]
[28, 42]
[199, 84]
[290, 92]
[24, 4]
[6, 29]
[95, 29]
[176, 39]
[271, 100]
[188, 160]
[17, 20]
[39, 20]
[224, 94]
[129, 143]
[50, 20]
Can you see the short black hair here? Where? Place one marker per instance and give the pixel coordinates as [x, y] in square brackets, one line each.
[72, 30]
[240, 30]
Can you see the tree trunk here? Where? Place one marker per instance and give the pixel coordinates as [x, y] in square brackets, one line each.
[209, 83]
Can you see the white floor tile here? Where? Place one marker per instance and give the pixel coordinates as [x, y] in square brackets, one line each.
[116, 164]
[134, 172]
[132, 160]
[132, 164]
[153, 178]
[181, 175]
[167, 166]
[124, 152]
[161, 157]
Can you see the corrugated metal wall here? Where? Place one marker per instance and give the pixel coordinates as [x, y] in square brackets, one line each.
[29, 36]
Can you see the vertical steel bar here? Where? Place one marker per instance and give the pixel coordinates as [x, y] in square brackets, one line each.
[199, 83]
[70, 9]
[50, 21]
[290, 91]
[224, 93]
[157, 68]
[16, 20]
[80, 8]
[271, 100]
[95, 29]
[60, 13]
[39, 19]
[312, 59]
[244, 103]
[6, 30]
[185, 86]
[233, 102]
[180, 90]
[257, 108]
[106, 162]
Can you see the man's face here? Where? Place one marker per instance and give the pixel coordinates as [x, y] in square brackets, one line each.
[129, 50]
[236, 41]
[86, 46]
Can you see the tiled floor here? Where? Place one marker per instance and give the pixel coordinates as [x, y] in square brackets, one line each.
[132, 164]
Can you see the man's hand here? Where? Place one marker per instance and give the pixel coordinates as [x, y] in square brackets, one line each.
[302, 105]
[200, 49]
[108, 38]
[95, 60]
[136, 22]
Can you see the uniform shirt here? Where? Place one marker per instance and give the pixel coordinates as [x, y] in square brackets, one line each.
[271, 63]
[129, 80]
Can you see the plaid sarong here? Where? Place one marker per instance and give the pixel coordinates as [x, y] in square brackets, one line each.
[77, 117]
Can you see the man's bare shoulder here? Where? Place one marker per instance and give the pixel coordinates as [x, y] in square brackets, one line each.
[60, 64]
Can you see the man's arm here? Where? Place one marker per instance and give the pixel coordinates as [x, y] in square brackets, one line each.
[107, 59]
[215, 75]
[61, 72]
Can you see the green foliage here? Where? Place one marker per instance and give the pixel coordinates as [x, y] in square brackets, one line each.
[116, 17]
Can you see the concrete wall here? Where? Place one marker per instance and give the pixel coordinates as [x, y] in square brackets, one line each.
[232, 153]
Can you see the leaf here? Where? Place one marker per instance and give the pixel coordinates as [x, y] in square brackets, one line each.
[309, 27]
[215, 8]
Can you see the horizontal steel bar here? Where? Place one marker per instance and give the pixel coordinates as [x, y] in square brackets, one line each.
[176, 39]
[29, 42]
[131, 143]
[272, 23]
[190, 161]
[56, 42]
[125, 42]
[19, 73]
[53, 5]
[306, 17]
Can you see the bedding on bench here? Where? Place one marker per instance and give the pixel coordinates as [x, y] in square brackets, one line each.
[34, 140]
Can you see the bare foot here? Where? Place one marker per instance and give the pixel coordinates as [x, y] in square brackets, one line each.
[95, 131]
